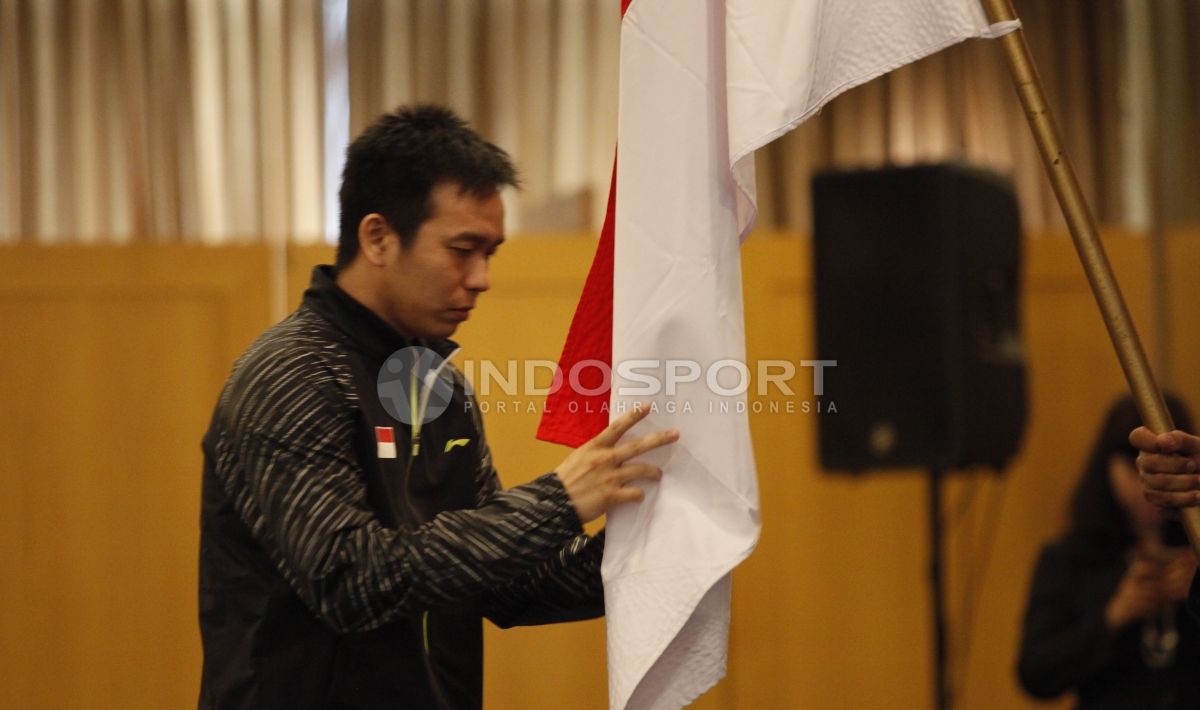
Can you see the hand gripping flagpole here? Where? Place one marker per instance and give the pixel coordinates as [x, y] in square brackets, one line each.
[1082, 226]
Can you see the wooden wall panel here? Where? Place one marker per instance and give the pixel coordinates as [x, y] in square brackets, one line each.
[1183, 313]
[112, 360]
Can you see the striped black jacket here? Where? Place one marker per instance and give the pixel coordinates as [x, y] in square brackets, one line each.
[332, 576]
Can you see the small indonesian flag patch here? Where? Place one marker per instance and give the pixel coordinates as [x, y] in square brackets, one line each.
[385, 442]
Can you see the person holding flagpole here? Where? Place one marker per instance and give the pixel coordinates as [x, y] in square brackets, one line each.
[1169, 468]
[1169, 465]
[1104, 618]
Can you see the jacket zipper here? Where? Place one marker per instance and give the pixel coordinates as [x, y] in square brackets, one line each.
[414, 450]
[414, 447]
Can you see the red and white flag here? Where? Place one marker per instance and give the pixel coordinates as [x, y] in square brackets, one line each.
[385, 442]
[703, 84]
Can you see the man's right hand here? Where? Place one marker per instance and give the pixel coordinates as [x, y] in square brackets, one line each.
[597, 474]
[1169, 465]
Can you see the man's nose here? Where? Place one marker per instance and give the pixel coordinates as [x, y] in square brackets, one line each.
[478, 278]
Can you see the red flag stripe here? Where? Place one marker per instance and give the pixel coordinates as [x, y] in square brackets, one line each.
[572, 416]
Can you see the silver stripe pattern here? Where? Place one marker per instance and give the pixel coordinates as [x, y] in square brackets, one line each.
[285, 458]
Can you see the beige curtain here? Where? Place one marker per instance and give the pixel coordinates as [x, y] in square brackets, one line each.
[159, 120]
[960, 105]
[538, 77]
[201, 120]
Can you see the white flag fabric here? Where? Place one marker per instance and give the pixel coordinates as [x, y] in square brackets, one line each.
[703, 84]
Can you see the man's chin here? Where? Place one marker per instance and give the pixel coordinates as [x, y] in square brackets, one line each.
[438, 327]
[441, 331]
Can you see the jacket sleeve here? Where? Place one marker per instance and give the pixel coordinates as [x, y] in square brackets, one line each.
[1065, 642]
[565, 587]
[285, 459]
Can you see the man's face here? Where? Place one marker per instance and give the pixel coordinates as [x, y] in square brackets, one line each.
[433, 284]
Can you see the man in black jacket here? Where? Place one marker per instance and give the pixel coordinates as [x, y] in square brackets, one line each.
[353, 530]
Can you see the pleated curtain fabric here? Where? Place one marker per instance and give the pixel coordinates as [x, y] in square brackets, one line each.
[148, 121]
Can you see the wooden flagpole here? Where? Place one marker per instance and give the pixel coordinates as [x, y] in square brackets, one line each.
[1082, 226]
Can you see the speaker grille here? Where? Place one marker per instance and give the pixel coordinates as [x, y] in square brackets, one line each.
[917, 271]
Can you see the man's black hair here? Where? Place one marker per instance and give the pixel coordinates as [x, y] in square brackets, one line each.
[395, 163]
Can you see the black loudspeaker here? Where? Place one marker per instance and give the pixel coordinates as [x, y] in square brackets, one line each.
[916, 276]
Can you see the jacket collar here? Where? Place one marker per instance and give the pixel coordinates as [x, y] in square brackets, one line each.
[360, 324]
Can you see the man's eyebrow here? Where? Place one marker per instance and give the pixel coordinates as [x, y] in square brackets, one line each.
[477, 238]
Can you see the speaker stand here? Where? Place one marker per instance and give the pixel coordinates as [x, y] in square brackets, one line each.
[942, 698]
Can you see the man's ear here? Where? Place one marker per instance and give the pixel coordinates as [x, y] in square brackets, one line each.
[375, 238]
